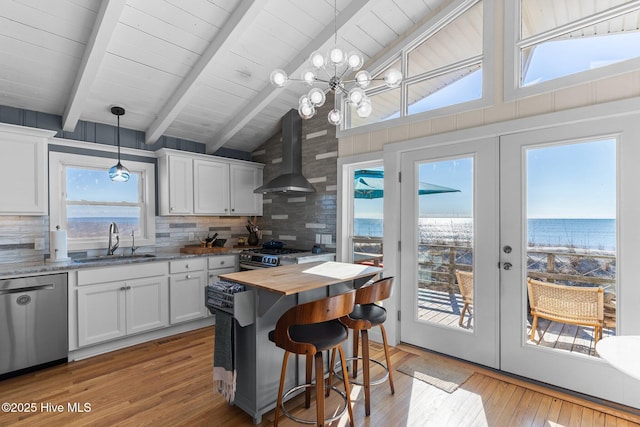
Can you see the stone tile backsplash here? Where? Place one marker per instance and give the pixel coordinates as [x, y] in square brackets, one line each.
[18, 235]
[297, 219]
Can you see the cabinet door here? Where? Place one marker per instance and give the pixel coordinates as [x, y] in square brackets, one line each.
[147, 304]
[186, 296]
[27, 166]
[101, 313]
[180, 185]
[245, 179]
[211, 187]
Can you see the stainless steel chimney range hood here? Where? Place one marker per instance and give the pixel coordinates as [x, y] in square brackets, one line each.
[290, 179]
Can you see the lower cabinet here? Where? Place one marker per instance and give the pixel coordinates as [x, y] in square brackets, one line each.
[186, 290]
[116, 309]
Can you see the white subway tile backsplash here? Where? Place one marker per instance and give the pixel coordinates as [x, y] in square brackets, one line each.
[317, 179]
[313, 225]
[316, 134]
[296, 199]
[327, 155]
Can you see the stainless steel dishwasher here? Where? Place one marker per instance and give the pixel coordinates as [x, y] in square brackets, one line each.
[33, 322]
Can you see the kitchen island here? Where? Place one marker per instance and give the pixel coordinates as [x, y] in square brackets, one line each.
[274, 290]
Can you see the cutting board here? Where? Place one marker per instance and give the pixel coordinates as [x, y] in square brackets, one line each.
[200, 250]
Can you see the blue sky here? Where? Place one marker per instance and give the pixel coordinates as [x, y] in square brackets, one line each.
[95, 185]
[576, 180]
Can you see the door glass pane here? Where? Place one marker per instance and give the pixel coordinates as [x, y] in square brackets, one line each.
[445, 243]
[368, 215]
[571, 254]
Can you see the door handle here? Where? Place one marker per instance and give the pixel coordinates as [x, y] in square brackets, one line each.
[508, 265]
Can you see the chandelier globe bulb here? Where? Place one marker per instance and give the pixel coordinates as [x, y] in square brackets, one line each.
[393, 78]
[278, 78]
[355, 60]
[316, 97]
[309, 77]
[364, 109]
[335, 117]
[317, 60]
[363, 78]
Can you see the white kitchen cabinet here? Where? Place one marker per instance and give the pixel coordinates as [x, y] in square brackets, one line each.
[101, 313]
[186, 290]
[210, 187]
[217, 185]
[133, 299]
[243, 180]
[175, 184]
[24, 191]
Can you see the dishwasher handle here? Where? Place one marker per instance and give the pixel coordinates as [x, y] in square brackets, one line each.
[27, 289]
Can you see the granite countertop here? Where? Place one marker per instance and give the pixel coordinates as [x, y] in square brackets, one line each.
[17, 269]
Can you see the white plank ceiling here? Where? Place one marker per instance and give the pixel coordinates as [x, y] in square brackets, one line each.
[192, 69]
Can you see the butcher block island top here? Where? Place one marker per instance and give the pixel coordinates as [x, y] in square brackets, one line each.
[297, 278]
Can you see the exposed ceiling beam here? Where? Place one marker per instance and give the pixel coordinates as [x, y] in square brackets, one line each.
[241, 18]
[106, 22]
[355, 9]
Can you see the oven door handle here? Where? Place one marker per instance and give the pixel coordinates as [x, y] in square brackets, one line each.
[245, 267]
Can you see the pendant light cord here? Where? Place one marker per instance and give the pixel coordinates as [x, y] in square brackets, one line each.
[118, 139]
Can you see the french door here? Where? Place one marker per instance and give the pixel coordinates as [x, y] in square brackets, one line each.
[450, 225]
[558, 205]
[569, 209]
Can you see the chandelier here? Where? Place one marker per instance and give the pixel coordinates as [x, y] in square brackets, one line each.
[330, 70]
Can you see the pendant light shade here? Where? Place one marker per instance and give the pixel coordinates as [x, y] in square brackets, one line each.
[118, 173]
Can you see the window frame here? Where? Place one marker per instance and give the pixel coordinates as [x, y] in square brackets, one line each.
[513, 59]
[414, 39]
[93, 159]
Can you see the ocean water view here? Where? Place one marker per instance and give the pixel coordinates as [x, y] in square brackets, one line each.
[86, 227]
[594, 234]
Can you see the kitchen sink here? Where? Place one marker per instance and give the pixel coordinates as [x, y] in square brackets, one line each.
[113, 258]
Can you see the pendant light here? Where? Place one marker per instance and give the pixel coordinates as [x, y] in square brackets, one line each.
[118, 173]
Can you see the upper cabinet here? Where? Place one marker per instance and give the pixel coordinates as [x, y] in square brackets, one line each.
[24, 190]
[196, 184]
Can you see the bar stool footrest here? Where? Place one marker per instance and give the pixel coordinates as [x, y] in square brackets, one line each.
[380, 380]
[305, 421]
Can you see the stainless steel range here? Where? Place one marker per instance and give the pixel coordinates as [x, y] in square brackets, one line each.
[252, 259]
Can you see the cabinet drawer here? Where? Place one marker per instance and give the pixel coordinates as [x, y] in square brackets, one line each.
[119, 273]
[186, 265]
[222, 261]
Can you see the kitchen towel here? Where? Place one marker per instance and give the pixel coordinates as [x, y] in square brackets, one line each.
[224, 372]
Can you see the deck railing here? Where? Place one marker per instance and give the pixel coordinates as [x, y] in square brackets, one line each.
[437, 264]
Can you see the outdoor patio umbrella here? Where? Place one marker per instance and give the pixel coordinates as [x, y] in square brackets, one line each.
[369, 184]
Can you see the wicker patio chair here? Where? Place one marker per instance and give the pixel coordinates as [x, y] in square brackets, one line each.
[577, 305]
[465, 283]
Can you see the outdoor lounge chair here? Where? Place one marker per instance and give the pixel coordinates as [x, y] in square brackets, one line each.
[576, 305]
[465, 283]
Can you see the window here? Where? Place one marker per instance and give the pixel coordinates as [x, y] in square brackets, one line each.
[442, 67]
[84, 201]
[563, 42]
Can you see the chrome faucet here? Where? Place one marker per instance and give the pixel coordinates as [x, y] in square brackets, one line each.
[133, 244]
[113, 230]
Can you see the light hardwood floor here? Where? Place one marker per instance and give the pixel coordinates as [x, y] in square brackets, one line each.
[168, 382]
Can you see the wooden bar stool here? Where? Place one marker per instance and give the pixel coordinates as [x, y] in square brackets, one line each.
[367, 314]
[310, 329]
